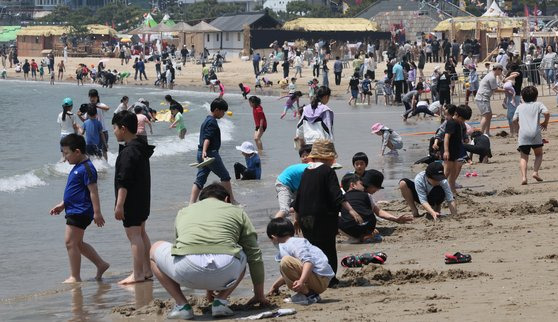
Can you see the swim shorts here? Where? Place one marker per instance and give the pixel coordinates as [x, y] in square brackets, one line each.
[79, 221]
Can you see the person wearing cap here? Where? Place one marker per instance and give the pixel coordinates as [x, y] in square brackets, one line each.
[390, 138]
[430, 189]
[488, 86]
[253, 168]
[67, 121]
[359, 191]
[318, 201]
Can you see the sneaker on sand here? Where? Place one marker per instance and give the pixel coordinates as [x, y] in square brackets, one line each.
[183, 312]
[313, 298]
[299, 298]
[219, 308]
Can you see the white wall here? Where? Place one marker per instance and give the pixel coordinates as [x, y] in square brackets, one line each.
[277, 5]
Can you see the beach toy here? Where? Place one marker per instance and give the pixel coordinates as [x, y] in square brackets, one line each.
[467, 174]
[457, 258]
[474, 174]
[186, 110]
[229, 113]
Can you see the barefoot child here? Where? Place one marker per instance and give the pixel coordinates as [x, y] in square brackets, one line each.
[178, 121]
[527, 117]
[289, 105]
[93, 131]
[259, 120]
[253, 168]
[359, 196]
[132, 183]
[245, 90]
[390, 138]
[453, 144]
[81, 204]
[221, 88]
[303, 266]
[429, 189]
[288, 181]
[67, 121]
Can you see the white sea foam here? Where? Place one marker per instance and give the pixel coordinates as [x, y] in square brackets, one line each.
[20, 182]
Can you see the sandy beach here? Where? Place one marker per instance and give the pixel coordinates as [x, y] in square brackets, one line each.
[508, 229]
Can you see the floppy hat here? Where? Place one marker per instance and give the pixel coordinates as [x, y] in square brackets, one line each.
[323, 149]
[373, 178]
[247, 147]
[377, 127]
[435, 170]
[67, 102]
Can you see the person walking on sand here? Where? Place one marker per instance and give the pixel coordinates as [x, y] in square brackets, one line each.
[61, 70]
[82, 206]
[527, 117]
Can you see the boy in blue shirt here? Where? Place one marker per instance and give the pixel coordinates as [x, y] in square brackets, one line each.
[253, 168]
[289, 180]
[210, 143]
[81, 203]
[93, 131]
[304, 267]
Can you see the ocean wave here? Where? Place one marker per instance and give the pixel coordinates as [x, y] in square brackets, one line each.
[20, 182]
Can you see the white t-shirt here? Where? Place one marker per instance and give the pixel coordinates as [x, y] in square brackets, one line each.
[435, 107]
[101, 115]
[67, 125]
[529, 115]
[121, 108]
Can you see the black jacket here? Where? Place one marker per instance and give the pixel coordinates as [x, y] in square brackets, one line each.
[132, 171]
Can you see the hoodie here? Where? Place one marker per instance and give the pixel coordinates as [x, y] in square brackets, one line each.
[315, 124]
[132, 171]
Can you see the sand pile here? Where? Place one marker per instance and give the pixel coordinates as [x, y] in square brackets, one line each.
[378, 275]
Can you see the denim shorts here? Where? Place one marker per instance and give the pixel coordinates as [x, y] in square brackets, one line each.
[285, 197]
[216, 167]
[186, 273]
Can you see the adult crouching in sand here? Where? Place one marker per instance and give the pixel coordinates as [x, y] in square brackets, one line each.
[215, 262]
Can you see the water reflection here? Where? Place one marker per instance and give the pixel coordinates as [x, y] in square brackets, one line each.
[81, 312]
[143, 292]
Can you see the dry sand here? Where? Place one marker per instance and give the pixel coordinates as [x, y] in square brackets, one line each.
[508, 229]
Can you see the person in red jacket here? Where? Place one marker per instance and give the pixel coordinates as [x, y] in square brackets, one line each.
[259, 120]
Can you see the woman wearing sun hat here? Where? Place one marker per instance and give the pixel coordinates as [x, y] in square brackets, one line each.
[318, 201]
[390, 138]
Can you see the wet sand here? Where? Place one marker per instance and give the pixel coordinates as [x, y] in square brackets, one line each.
[508, 229]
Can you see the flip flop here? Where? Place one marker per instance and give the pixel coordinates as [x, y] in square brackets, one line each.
[202, 164]
[457, 258]
[336, 166]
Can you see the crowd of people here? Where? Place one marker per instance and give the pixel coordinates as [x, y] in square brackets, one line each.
[314, 206]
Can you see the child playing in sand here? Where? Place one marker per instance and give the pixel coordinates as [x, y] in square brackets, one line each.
[253, 168]
[453, 144]
[259, 120]
[527, 117]
[430, 189]
[303, 266]
[81, 204]
[390, 138]
[360, 162]
[245, 90]
[359, 191]
[178, 122]
[132, 182]
[288, 181]
[289, 105]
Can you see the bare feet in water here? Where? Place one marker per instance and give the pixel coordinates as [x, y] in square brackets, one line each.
[101, 270]
[131, 280]
[72, 279]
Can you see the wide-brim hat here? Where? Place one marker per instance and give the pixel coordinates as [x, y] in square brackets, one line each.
[247, 147]
[323, 149]
[377, 127]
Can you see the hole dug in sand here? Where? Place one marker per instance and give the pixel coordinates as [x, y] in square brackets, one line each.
[378, 275]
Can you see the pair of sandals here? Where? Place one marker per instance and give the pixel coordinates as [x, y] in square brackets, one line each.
[364, 259]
